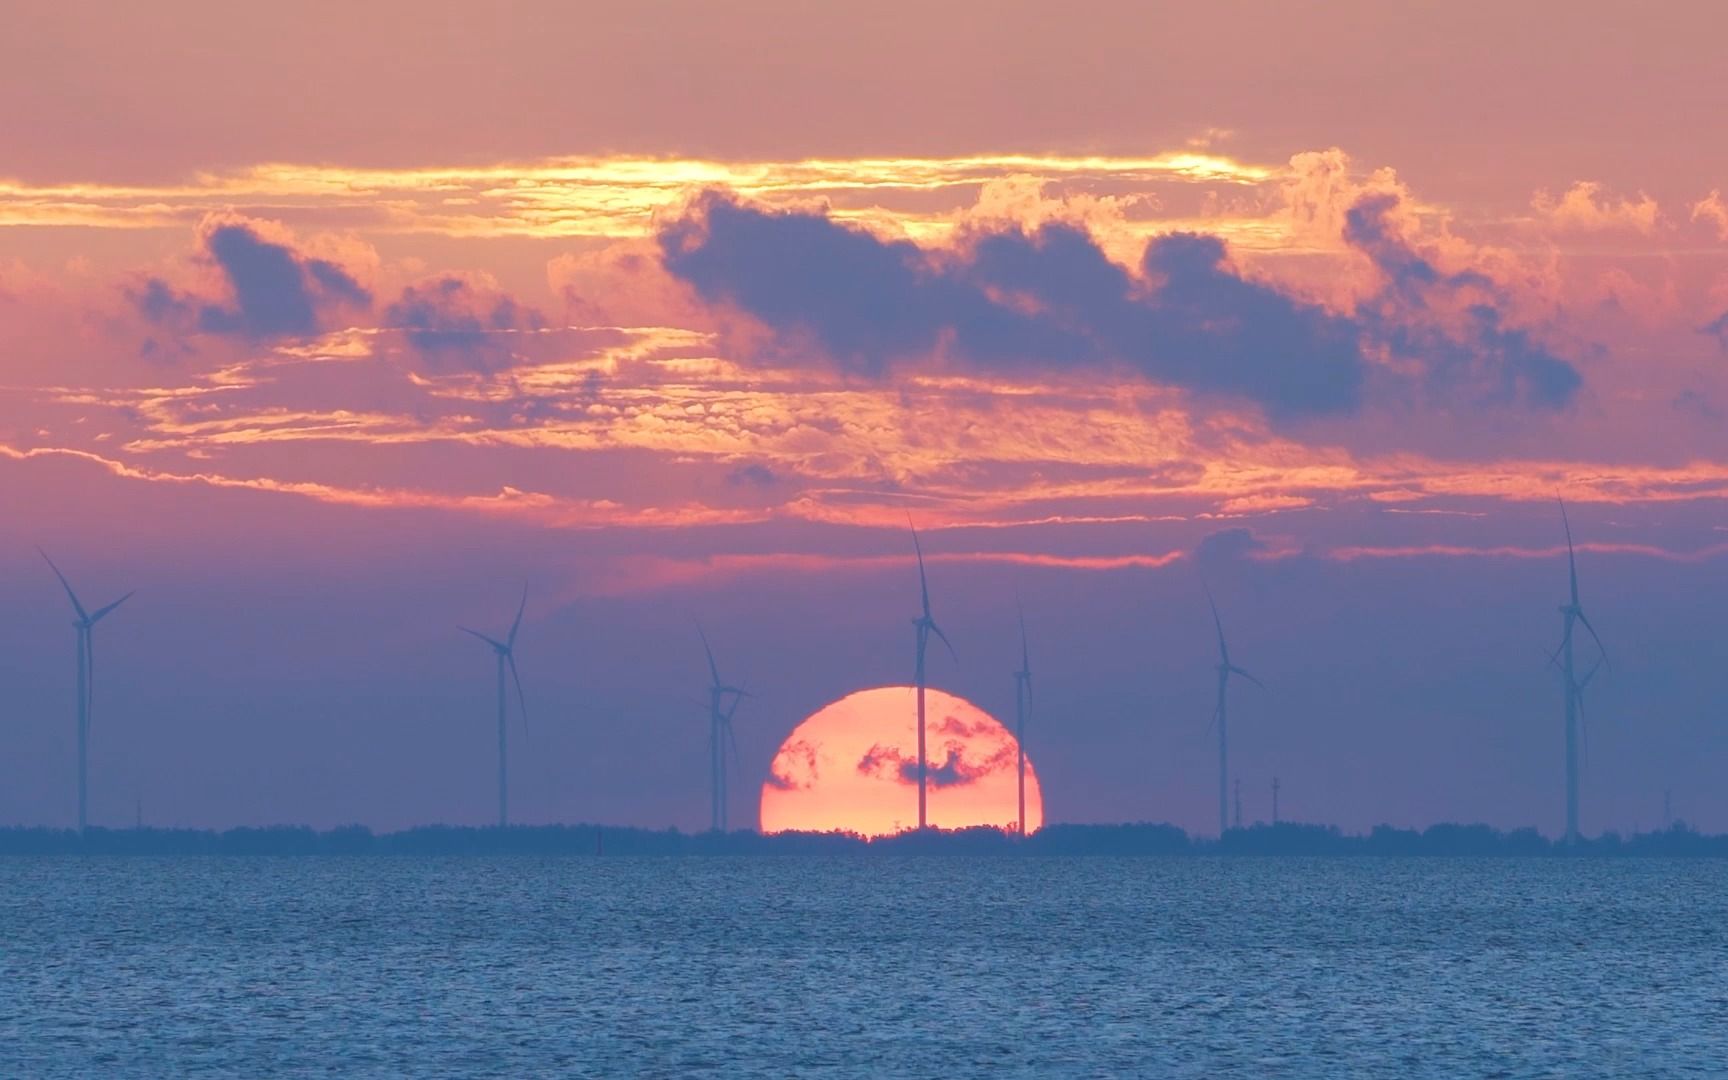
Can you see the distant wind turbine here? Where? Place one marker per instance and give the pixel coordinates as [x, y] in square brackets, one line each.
[85, 623]
[1572, 613]
[925, 626]
[506, 653]
[1022, 706]
[719, 736]
[1225, 669]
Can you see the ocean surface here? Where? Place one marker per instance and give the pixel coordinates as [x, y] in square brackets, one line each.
[858, 966]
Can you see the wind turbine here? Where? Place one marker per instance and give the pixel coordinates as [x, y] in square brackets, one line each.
[85, 623]
[719, 735]
[1022, 706]
[1572, 613]
[1225, 670]
[506, 653]
[925, 626]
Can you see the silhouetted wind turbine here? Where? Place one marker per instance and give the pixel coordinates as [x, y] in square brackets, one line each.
[1022, 706]
[925, 626]
[1220, 717]
[719, 736]
[506, 653]
[1572, 613]
[85, 623]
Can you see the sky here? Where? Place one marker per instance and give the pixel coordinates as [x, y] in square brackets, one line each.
[326, 329]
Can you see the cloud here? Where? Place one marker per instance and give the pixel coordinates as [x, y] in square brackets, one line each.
[1451, 324]
[1718, 329]
[794, 767]
[1711, 210]
[1696, 404]
[273, 290]
[863, 300]
[753, 474]
[1227, 546]
[1008, 298]
[462, 322]
[952, 770]
[1584, 208]
[1012, 298]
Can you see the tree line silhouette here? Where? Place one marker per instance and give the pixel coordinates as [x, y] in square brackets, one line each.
[1286, 838]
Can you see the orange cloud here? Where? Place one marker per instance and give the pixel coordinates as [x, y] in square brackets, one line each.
[1584, 207]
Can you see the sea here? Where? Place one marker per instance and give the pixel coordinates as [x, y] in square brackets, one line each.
[933, 966]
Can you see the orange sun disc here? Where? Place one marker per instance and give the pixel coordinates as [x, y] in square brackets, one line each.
[853, 767]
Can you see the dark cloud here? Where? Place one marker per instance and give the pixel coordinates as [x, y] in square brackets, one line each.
[1227, 546]
[1718, 329]
[794, 766]
[274, 290]
[159, 303]
[165, 350]
[1697, 404]
[950, 769]
[453, 322]
[865, 301]
[1052, 297]
[1471, 357]
[754, 474]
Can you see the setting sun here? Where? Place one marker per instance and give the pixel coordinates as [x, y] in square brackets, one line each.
[852, 766]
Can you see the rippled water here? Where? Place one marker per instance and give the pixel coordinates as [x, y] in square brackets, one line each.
[865, 965]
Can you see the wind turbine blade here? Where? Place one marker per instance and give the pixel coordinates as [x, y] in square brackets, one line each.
[713, 668]
[67, 585]
[732, 739]
[1604, 649]
[100, 612]
[510, 642]
[1025, 653]
[1554, 657]
[1223, 649]
[1571, 558]
[492, 641]
[521, 701]
[937, 630]
[923, 582]
[1238, 671]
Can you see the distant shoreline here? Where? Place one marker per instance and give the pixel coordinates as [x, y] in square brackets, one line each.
[591, 840]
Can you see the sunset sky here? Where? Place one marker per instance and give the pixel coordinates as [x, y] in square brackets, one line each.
[325, 327]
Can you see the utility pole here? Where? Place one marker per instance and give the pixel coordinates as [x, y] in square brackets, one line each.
[1274, 800]
[1238, 802]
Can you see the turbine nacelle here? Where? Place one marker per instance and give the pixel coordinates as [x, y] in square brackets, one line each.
[498, 647]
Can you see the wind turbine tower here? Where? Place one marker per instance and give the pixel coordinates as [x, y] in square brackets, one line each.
[925, 626]
[1572, 614]
[505, 652]
[719, 736]
[85, 624]
[1022, 706]
[1220, 716]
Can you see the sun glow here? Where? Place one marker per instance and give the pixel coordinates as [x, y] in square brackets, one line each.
[852, 766]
